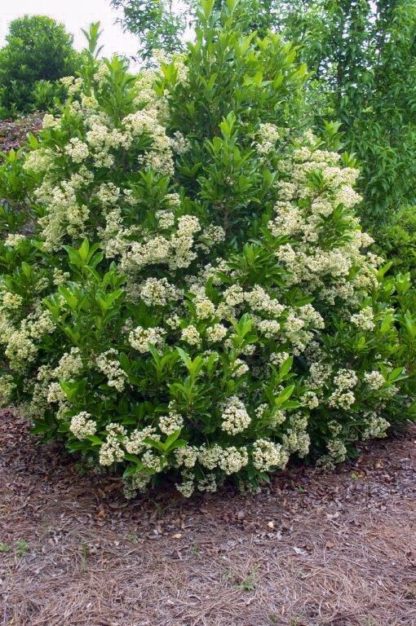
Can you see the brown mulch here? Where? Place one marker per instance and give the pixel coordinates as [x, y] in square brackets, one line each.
[314, 549]
[13, 132]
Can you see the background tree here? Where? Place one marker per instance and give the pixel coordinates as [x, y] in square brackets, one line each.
[361, 54]
[161, 25]
[37, 49]
[158, 24]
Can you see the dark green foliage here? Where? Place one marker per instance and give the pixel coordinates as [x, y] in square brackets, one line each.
[361, 56]
[233, 80]
[398, 240]
[38, 52]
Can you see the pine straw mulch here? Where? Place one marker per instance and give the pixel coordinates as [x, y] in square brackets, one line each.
[316, 548]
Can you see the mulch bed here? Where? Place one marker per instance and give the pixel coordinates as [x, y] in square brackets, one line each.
[313, 549]
[13, 132]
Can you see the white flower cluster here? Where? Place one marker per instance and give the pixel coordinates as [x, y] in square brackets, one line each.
[82, 425]
[299, 215]
[108, 194]
[375, 380]
[343, 398]
[234, 418]
[179, 143]
[296, 437]
[345, 379]
[108, 364]
[364, 319]
[240, 368]
[14, 240]
[141, 339]
[216, 333]
[234, 295]
[319, 374]
[135, 442]
[55, 393]
[166, 218]
[70, 364]
[111, 450]
[267, 135]
[337, 452]
[191, 335]
[77, 150]
[310, 399]
[20, 343]
[259, 300]
[233, 459]
[187, 486]
[204, 308]
[177, 252]
[168, 424]
[146, 121]
[38, 161]
[157, 292]
[69, 367]
[376, 427]
[11, 300]
[268, 455]
[152, 461]
[269, 328]
[212, 235]
[186, 456]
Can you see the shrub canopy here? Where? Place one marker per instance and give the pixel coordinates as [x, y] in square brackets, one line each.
[194, 296]
[361, 60]
[37, 49]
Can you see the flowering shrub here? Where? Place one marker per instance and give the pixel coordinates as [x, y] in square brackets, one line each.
[194, 296]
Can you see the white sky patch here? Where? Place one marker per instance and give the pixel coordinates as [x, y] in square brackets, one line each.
[74, 14]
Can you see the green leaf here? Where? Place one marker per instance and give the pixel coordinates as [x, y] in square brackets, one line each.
[284, 396]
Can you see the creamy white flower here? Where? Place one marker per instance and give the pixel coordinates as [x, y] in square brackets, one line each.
[375, 380]
[268, 455]
[141, 339]
[234, 418]
[109, 365]
[82, 426]
[77, 150]
[186, 456]
[364, 319]
[233, 459]
[187, 486]
[216, 333]
[168, 424]
[191, 335]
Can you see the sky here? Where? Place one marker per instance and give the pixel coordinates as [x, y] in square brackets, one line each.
[74, 14]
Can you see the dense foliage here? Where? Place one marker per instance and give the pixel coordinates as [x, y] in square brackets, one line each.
[361, 59]
[186, 290]
[398, 240]
[37, 53]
